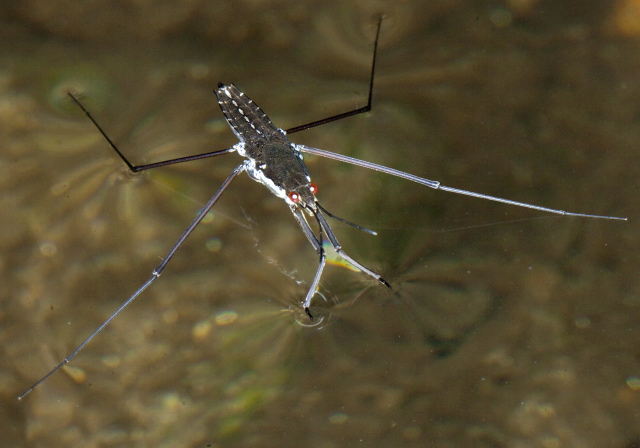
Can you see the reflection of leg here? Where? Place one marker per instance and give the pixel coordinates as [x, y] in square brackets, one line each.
[336, 245]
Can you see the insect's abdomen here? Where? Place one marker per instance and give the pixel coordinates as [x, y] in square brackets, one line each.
[244, 116]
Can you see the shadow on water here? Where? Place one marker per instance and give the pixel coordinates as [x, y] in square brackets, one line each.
[503, 328]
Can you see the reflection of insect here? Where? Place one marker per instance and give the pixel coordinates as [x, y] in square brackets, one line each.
[278, 164]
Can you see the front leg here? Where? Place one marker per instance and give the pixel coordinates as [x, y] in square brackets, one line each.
[317, 245]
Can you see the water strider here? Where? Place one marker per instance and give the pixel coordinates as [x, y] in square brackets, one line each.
[272, 160]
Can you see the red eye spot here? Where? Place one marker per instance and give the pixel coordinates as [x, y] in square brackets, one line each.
[314, 188]
[294, 197]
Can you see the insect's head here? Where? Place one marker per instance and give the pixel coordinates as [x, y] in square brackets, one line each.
[304, 196]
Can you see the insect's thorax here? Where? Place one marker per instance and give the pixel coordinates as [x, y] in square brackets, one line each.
[279, 162]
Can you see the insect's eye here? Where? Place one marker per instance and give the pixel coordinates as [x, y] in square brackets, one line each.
[314, 188]
[294, 197]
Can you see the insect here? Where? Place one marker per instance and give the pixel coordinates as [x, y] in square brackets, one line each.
[272, 160]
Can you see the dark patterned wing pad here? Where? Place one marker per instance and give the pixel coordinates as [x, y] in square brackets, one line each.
[244, 116]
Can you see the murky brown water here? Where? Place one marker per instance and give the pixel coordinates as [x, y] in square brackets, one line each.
[505, 327]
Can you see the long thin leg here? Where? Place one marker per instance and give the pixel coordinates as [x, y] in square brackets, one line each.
[306, 229]
[155, 274]
[314, 284]
[360, 110]
[138, 168]
[237, 170]
[436, 185]
[338, 248]
[349, 223]
[317, 245]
